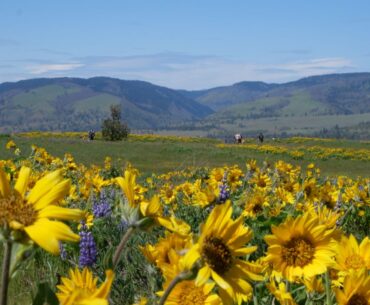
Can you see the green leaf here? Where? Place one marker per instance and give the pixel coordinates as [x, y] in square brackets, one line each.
[45, 296]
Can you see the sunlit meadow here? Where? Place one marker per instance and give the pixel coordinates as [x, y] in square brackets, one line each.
[283, 222]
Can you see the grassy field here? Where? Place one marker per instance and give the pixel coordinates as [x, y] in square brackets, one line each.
[161, 155]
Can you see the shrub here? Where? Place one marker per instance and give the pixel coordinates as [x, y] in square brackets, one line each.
[113, 129]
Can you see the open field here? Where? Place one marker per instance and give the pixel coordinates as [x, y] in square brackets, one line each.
[162, 154]
[226, 124]
[133, 231]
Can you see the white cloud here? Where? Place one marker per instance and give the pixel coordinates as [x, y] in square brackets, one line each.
[46, 68]
[177, 70]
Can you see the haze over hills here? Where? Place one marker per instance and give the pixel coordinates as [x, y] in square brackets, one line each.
[308, 106]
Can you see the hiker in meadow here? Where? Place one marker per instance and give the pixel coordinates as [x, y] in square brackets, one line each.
[261, 137]
[91, 135]
[238, 138]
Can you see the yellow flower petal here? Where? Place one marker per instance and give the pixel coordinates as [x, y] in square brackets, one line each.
[47, 234]
[44, 185]
[203, 276]
[4, 184]
[53, 211]
[56, 193]
[22, 181]
[104, 289]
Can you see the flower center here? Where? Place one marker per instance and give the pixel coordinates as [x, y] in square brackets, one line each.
[357, 299]
[169, 193]
[299, 251]
[14, 208]
[354, 262]
[257, 208]
[217, 255]
[191, 294]
[308, 190]
[289, 188]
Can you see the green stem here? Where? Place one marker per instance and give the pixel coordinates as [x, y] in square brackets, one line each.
[121, 246]
[308, 299]
[328, 289]
[175, 281]
[5, 272]
[255, 301]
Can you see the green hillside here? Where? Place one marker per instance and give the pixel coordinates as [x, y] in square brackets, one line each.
[81, 104]
[329, 105]
[340, 93]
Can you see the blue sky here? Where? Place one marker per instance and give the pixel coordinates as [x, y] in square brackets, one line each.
[183, 44]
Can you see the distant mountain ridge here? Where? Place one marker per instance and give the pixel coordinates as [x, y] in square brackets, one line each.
[310, 106]
[304, 106]
[221, 97]
[343, 89]
[80, 104]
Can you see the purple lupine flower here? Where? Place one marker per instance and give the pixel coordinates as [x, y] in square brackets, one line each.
[63, 252]
[224, 193]
[88, 252]
[101, 208]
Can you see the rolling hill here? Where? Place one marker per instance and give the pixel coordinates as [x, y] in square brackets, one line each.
[81, 104]
[307, 106]
[318, 105]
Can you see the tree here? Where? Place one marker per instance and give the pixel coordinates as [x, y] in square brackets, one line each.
[113, 129]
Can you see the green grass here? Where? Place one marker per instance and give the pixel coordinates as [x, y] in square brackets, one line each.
[162, 156]
[306, 125]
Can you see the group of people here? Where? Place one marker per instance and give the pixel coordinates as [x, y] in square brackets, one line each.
[238, 138]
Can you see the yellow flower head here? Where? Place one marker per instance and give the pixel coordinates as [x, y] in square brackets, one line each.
[221, 244]
[186, 292]
[159, 254]
[217, 174]
[128, 184]
[351, 255]
[310, 190]
[80, 288]
[329, 195]
[174, 224]
[314, 284]
[300, 247]
[252, 165]
[356, 289]
[284, 196]
[168, 194]
[261, 180]
[107, 163]
[10, 145]
[255, 204]
[280, 293]
[33, 212]
[87, 220]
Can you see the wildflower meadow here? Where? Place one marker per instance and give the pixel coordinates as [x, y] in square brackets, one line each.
[264, 231]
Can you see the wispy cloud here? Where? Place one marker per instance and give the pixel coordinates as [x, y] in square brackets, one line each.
[178, 70]
[46, 68]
